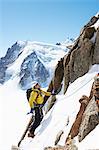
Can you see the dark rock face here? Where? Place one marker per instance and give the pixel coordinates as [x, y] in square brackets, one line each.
[88, 32]
[92, 21]
[32, 70]
[96, 49]
[80, 60]
[50, 89]
[66, 72]
[58, 75]
[76, 125]
[55, 83]
[87, 118]
[90, 120]
[83, 54]
[11, 55]
[2, 74]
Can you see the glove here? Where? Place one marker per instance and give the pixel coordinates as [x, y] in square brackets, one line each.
[53, 93]
[31, 111]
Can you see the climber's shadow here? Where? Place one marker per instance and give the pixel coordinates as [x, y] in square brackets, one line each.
[44, 125]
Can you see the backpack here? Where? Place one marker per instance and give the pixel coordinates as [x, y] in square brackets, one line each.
[28, 92]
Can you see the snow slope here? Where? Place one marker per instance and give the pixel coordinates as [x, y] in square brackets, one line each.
[14, 107]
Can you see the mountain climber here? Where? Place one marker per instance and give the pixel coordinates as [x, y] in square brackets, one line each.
[96, 90]
[36, 100]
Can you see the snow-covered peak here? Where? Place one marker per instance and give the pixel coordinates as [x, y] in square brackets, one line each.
[31, 60]
[48, 54]
[21, 43]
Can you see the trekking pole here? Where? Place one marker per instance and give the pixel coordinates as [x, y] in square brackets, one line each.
[27, 127]
[24, 134]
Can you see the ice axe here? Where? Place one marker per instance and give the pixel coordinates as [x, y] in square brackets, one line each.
[24, 134]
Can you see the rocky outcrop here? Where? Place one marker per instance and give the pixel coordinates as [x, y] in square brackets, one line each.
[80, 59]
[92, 21]
[55, 148]
[88, 33]
[89, 121]
[66, 71]
[55, 84]
[70, 145]
[75, 127]
[58, 75]
[83, 54]
[87, 118]
[96, 49]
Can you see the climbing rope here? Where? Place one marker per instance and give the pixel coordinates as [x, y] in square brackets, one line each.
[52, 103]
[79, 88]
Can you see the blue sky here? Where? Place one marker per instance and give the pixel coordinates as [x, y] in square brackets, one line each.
[47, 21]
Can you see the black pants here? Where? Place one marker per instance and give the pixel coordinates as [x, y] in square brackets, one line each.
[38, 119]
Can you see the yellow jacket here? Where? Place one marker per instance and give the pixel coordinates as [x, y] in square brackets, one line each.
[36, 97]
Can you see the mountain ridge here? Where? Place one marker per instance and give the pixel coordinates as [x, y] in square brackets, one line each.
[42, 57]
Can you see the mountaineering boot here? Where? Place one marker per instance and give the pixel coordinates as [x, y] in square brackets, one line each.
[31, 135]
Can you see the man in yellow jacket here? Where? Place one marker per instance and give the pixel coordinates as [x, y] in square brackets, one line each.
[35, 101]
